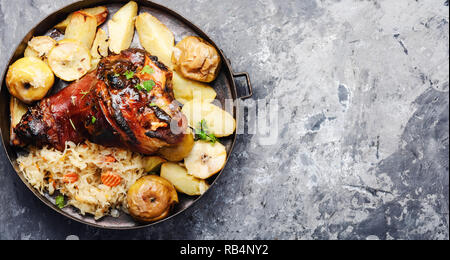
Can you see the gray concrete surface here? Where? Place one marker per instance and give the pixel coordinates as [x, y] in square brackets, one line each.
[362, 149]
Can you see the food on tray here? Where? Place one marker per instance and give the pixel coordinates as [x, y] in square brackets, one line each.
[196, 59]
[206, 159]
[121, 27]
[69, 59]
[101, 43]
[182, 181]
[151, 198]
[100, 13]
[179, 151]
[101, 142]
[82, 27]
[29, 79]
[152, 163]
[155, 37]
[218, 122]
[110, 178]
[70, 178]
[46, 167]
[186, 90]
[39, 47]
[109, 107]
[99, 48]
[17, 109]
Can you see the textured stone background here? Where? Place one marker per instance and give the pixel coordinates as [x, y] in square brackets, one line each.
[362, 153]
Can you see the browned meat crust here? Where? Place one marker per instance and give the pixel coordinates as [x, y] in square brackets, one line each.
[117, 105]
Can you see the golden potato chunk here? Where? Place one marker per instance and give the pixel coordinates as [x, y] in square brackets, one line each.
[180, 151]
[186, 90]
[29, 79]
[196, 59]
[152, 163]
[82, 27]
[100, 13]
[218, 122]
[182, 181]
[155, 37]
[206, 159]
[121, 27]
[99, 48]
[17, 110]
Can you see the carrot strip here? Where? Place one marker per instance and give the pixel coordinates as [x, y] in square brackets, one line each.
[70, 178]
[110, 158]
[110, 179]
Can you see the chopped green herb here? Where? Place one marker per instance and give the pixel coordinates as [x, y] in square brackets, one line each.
[74, 128]
[59, 201]
[94, 119]
[117, 75]
[153, 105]
[202, 133]
[147, 70]
[129, 74]
[84, 93]
[203, 125]
[146, 85]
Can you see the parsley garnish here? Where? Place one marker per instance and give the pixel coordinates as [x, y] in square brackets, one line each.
[84, 93]
[153, 105]
[147, 70]
[149, 84]
[146, 85]
[94, 119]
[74, 128]
[59, 201]
[129, 74]
[202, 133]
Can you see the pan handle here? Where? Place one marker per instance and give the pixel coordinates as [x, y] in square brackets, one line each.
[249, 84]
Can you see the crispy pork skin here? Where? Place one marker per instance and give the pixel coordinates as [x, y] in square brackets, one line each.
[127, 102]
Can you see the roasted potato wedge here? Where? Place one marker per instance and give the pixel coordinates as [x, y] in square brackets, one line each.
[29, 79]
[99, 48]
[39, 47]
[196, 59]
[155, 37]
[182, 181]
[152, 163]
[218, 122]
[121, 27]
[100, 13]
[82, 27]
[151, 198]
[206, 159]
[186, 90]
[17, 109]
[70, 60]
[180, 151]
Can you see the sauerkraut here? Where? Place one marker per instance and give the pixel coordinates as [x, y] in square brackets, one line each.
[45, 169]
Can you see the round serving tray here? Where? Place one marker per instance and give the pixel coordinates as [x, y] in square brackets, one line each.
[224, 85]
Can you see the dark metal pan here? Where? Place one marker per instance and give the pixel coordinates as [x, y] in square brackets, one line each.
[224, 85]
